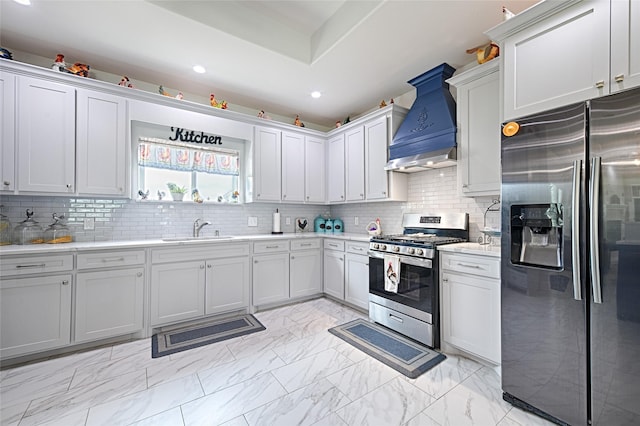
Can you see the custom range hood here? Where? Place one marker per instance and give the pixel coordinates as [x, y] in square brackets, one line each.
[426, 138]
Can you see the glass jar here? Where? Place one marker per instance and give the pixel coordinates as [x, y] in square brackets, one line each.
[28, 231]
[57, 232]
[5, 230]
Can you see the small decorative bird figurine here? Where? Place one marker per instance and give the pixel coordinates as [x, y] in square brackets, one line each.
[195, 194]
[142, 194]
[383, 104]
[161, 195]
[163, 92]
[297, 122]
[124, 81]
[59, 64]
[212, 100]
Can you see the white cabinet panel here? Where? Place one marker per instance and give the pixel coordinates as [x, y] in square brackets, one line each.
[293, 161]
[35, 314]
[376, 156]
[336, 169]
[267, 164]
[108, 303]
[314, 166]
[356, 289]
[334, 273]
[270, 278]
[177, 292]
[101, 149]
[227, 286]
[354, 164]
[305, 273]
[625, 44]
[7, 131]
[46, 136]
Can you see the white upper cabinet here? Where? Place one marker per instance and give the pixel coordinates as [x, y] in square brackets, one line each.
[46, 136]
[354, 164]
[293, 167]
[267, 164]
[625, 44]
[314, 167]
[554, 54]
[336, 169]
[7, 131]
[478, 116]
[376, 156]
[101, 146]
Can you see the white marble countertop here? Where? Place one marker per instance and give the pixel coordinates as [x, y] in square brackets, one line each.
[472, 248]
[128, 244]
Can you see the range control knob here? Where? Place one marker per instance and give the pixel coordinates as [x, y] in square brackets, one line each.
[396, 249]
[419, 252]
[412, 250]
[383, 247]
[376, 246]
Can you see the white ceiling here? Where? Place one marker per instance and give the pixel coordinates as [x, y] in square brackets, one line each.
[261, 54]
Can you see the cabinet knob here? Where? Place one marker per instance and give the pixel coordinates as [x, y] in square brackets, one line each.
[384, 192]
[619, 78]
[209, 266]
[258, 195]
[342, 196]
[65, 282]
[255, 261]
[307, 197]
[465, 185]
[69, 185]
[293, 257]
[361, 195]
[600, 84]
[6, 183]
[139, 274]
[284, 196]
[201, 266]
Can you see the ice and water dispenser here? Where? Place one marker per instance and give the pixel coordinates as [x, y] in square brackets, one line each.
[536, 235]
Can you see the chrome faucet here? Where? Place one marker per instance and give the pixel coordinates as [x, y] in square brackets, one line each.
[197, 226]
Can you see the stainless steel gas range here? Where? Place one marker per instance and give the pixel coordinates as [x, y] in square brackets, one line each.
[403, 274]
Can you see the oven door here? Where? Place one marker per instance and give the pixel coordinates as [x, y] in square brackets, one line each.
[418, 286]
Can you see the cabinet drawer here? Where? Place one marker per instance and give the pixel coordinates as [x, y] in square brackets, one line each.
[305, 244]
[110, 259]
[26, 265]
[204, 251]
[357, 247]
[334, 245]
[270, 246]
[470, 264]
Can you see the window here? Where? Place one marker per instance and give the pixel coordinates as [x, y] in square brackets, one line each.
[214, 172]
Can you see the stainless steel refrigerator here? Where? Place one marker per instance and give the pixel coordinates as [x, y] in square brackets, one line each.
[571, 262]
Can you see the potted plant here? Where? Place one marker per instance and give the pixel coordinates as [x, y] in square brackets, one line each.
[177, 192]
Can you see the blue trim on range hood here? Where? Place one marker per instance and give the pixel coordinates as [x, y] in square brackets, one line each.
[430, 124]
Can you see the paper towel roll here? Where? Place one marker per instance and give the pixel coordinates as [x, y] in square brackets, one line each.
[276, 222]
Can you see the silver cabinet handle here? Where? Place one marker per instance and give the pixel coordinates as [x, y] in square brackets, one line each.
[594, 201]
[575, 229]
[113, 259]
[619, 78]
[342, 196]
[395, 318]
[464, 265]
[65, 282]
[272, 247]
[305, 244]
[39, 265]
[600, 84]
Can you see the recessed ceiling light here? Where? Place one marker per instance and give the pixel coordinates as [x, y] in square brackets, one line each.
[199, 69]
[23, 2]
[316, 94]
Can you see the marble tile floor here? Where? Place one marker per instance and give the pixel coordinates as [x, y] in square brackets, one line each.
[294, 373]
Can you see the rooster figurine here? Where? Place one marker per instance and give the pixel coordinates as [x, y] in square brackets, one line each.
[164, 92]
[59, 64]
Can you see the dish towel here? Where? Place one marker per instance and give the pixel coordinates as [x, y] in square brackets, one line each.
[391, 273]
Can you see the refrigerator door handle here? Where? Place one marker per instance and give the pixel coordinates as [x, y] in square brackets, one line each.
[594, 201]
[575, 229]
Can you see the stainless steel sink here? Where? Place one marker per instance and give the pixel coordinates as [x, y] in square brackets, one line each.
[193, 239]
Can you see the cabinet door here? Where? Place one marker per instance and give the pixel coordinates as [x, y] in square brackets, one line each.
[270, 278]
[46, 136]
[292, 167]
[7, 131]
[306, 273]
[314, 170]
[544, 68]
[35, 314]
[101, 149]
[471, 314]
[625, 44]
[479, 136]
[267, 164]
[333, 269]
[336, 169]
[108, 303]
[177, 292]
[356, 290]
[354, 164]
[227, 285]
[375, 138]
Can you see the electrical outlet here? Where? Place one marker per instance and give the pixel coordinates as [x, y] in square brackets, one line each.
[356, 220]
[89, 224]
[252, 221]
[287, 220]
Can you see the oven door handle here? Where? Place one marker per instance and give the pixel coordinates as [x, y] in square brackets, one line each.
[407, 260]
[376, 254]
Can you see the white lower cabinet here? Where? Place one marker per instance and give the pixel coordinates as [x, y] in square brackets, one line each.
[270, 278]
[356, 271]
[35, 314]
[471, 304]
[334, 268]
[193, 282]
[108, 303]
[305, 268]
